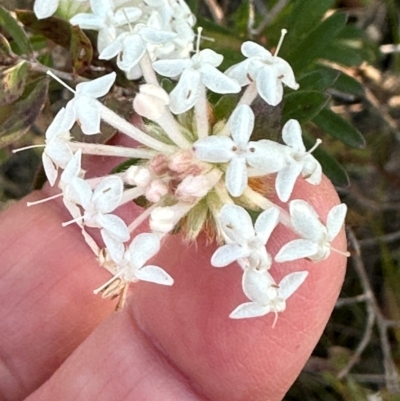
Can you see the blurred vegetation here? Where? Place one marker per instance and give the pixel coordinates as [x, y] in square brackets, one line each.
[345, 55]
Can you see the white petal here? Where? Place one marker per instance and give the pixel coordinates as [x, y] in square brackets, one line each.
[249, 309]
[143, 247]
[306, 221]
[186, 93]
[297, 249]
[236, 223]
[266, 156]
[155, 36]
[49, 169]
[312, 170]
[171, 68]
[45, 8]
[290, 283]
[115, 247]
[102, 7]
[241, 124]
[88, 115]
[227, 254]
[113, 49]
[98, 87]
[251, 49]
[286, 179]
[335, 220]
[154, 274]
[291, 135]
[134, 50]
[236, 176]
[285, 73]
[268, 86]
[256, 284]
[59, 125]
[239, 72]
[108, 193]
[126, 15]
[74, 211]
[114, 226]
[59, 152]
[87, 21]
[210, 57]
[265, 223]
[214, 149]
[79, 191]
[217, 81]
[73, 168]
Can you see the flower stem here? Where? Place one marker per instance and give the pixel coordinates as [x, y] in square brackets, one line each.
[130, 130]
[147, 69]
[201, 112]
[171, 127]
[109, 150]
[249, 94]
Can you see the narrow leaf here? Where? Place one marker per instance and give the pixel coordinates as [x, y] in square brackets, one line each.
[12, 83]
[339, 128]
[81, 50]
[10, 25]
[319, 80]
[303, 105]
[18, 117]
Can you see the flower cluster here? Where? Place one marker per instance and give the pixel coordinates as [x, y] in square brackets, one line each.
[190, 169]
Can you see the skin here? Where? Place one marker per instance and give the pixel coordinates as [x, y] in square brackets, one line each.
[59, 341]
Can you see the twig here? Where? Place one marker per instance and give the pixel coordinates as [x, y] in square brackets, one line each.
[349, 301]
[392, 237]
[270, 16]
[392, 379]
[216, 11]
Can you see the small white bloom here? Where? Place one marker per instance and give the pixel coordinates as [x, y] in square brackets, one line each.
[194, 73]
[46, 8]
[138, 175]
[84, 107]
[57, 153]
[265, 294]
[316, 238]
[151, 101]
[299, 161]
[98, 205]
[105, 20]
[263, 155]
[247, 243]
[131, 262]
[268, 71]
[163, 219]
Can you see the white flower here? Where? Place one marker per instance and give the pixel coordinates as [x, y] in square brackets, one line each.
[131, 262]
[105, 20]
[316, 238]
[163, 219]
[131, 46]
[265, 294]
[197, 71]
[98, 205]
[299, 162]
[247, 243]
[57, 153]
[84, 107]
[268, 71]
[263, 155]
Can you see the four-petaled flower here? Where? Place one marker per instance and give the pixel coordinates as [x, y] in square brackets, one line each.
[299, 162]
[265, 295]
[245, 243]
[131, 261]
[263, 155]
[315, 243]
[268, 71]
[195, 73]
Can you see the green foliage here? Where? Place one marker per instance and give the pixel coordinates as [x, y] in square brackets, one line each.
[12, 82]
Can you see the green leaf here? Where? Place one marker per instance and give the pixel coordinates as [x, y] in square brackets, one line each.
[55, 29]
[304, 17]
[303, 105]
[18, 117]
[339, 128]
[330, 166]
[10, 25]
[319, 80]
[81, 50]
[347, 84]
[5, 48]
[225, 106]
[267, 120]
[12, 83]
[316, 41]
[340, 52]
